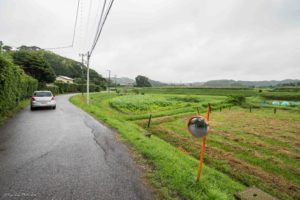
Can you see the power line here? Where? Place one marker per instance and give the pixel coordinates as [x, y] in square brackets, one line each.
[88, 23]
[100, 30]
[99, 23]
[97, 35]
[97, 15]
[75, 25]
[62, 47]
[74, 32]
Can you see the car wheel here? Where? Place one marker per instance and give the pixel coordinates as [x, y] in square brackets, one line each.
[31, 108]
[54, 107]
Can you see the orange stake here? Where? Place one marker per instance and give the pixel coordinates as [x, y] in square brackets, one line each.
[201, 158]
[203, 146]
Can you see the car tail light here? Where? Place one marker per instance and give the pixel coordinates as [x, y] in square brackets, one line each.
[32, 99]
[52, 98]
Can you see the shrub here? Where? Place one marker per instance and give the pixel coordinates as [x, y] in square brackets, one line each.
[136, 91]
[15, 85]
[236, 100]
[73, 87]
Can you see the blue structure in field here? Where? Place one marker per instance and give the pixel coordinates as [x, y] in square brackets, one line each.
[285, 103]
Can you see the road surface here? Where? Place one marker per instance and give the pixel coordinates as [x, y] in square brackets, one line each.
[65, 154]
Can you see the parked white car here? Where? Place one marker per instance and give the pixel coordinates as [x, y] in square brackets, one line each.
[43, 99]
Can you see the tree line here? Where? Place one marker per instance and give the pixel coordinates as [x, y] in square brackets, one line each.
[45, 65]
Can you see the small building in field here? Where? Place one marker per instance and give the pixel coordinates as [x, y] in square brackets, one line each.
[64, 79]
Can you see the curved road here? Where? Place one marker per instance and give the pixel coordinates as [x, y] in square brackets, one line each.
[64, 154]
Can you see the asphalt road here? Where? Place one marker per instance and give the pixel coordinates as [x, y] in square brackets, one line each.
[65, 154]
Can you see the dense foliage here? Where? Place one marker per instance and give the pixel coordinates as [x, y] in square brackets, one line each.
[45, 65]
[73, 87]
[290, 96]
[67, 67]
[34, 64]
[236, 100]
[142, 81]
[15, 85]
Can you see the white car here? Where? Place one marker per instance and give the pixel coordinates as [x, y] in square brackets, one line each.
[42, 99]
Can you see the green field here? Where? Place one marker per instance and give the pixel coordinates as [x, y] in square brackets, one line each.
[257, 148]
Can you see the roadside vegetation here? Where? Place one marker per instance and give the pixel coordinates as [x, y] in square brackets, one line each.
[26, 69]
[248, 144]
[15, 86]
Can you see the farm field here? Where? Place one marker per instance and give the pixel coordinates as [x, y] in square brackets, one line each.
[257, 148]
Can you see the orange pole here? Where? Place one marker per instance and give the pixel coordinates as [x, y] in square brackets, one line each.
[201, 158]
[203, 146]
[208, 112]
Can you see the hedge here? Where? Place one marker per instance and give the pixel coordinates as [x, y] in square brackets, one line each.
[73, 87]
[15, 85]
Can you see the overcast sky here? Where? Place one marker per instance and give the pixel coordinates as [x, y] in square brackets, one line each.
[167, 40]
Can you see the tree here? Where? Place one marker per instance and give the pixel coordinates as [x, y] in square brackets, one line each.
[34, 64]
[7, 48]
[142, 81]
[1, 44]
[33, 48]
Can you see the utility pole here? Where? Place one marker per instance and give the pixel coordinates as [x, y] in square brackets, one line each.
[108, 83]
[82, 74]
[115, 82]
[88, 79]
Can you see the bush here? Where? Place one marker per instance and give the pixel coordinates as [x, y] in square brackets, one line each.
[15, 85]
[236, 100]
[53, 88]
[73, 87]
[135, 91]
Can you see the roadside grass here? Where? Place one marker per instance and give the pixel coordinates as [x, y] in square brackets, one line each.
[173, 171]
[11, 113]
[259, 148]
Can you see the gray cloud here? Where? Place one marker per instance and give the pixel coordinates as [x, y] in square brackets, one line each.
[170, 40]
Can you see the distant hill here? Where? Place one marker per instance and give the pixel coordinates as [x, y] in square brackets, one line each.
[71, 68]
[239, 83]
[214, 83]
[129, 81]
[157, 83]
[125, 81]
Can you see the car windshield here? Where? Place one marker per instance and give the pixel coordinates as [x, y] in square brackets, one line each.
[42, 94]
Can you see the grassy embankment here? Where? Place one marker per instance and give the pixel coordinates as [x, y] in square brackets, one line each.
[172, 170]
[13, 111]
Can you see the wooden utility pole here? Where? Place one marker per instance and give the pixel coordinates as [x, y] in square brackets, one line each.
[115, 82]
[88, 79]
[108, 83]
[82, 73]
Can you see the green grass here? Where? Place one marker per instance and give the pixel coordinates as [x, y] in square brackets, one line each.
[153, 103]
[264, 145]
[173, 171]
[278, 95]
[11, 113]
[199, 91]
[255, 149]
